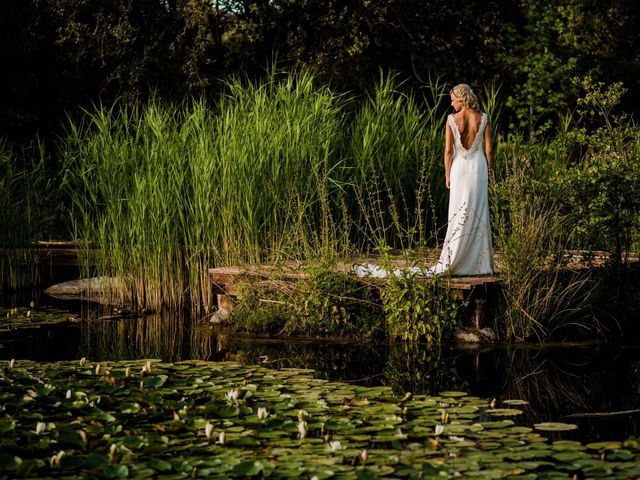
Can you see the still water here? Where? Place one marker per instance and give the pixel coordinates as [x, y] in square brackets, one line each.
[595, 386]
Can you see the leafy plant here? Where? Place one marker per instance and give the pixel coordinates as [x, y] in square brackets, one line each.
[417, 308]
[540, 294]
[601, 193]
[325, 303]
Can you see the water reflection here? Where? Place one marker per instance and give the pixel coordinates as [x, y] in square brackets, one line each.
[561, 383]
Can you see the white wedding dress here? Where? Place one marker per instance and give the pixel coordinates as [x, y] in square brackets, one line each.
[467, 248]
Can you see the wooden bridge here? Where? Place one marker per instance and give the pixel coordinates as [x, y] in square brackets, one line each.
[479, 292]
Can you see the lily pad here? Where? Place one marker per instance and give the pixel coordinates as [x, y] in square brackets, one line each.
[555, 426]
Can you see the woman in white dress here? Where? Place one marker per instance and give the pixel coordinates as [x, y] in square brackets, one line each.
[467, 248]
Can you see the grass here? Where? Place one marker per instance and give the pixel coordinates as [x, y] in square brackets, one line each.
[282, 169]
[26, 212]
[274, 170]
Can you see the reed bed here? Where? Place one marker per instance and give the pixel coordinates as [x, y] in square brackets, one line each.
[25, 212]
[278, 169]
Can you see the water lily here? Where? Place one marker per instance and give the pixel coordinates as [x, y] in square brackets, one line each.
[302, 428]
[222, 438]
[233, 395]
[334, 446]
[113, 450]
[68, 395]
[40, 428]
[302, 414]
[97, 369]
[445, 417]
[127, 372]
[83, 361]
[12, 363]
[208, 431]
[364, 456]
[439, 430]
[28, 313]
[55, 460]
[83, 436]
[262, 413]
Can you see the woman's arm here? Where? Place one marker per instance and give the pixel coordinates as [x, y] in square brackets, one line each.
[448, 154]
[488, 149]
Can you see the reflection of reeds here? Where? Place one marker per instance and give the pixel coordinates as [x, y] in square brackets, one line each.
[153, 336]
[560, 382]
[419, 368]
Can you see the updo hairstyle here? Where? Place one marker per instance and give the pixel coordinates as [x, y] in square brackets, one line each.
[465, 96]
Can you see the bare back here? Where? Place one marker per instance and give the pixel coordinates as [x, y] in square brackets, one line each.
[468, 123]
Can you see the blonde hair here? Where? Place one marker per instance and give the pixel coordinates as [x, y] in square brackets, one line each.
[465, 96]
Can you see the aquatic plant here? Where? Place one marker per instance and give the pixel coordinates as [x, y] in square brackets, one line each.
[114, 426]
[279, 169]
[26, 212]
[541, 295]
[325, 303]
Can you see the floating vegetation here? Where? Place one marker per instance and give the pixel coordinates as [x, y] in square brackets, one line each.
[199, 419]
[29, 317]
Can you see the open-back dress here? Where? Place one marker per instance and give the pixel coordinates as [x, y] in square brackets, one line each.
[467, 248]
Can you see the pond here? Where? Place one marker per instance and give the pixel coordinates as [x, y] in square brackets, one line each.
[595, 387]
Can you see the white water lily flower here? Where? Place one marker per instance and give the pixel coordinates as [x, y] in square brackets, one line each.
[262, 413]
[40, 428]
[12, 363]
[28, 313]
[334, 446]
[364, 456]
[97, 369]
[445, 417]
[127, 372]
[233, 395]
[83, 361]
[55, 460]
[439, 430]
[222, 438]
[302, 428]
[68, 395]
[208, 431]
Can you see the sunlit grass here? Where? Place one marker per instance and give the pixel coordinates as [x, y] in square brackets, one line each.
[274, 170]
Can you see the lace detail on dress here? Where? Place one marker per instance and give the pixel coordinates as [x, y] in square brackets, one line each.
[477, 141]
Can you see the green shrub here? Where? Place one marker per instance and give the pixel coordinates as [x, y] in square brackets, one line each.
[600, 193]
[419, 309]
[326, 303]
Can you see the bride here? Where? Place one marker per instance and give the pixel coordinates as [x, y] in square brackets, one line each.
[467, 248]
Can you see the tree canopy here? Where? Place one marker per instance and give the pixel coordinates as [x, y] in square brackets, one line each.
[62, 55]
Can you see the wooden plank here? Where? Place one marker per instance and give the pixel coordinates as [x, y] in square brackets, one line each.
[226, 278]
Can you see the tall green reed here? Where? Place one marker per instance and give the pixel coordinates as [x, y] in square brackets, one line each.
[396, 146]
[26, 212]
[274, 170]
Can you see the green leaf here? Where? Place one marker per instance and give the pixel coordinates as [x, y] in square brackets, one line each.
[155, 381]
[249, 469]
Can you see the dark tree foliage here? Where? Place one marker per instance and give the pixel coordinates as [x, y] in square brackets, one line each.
[62, 55]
